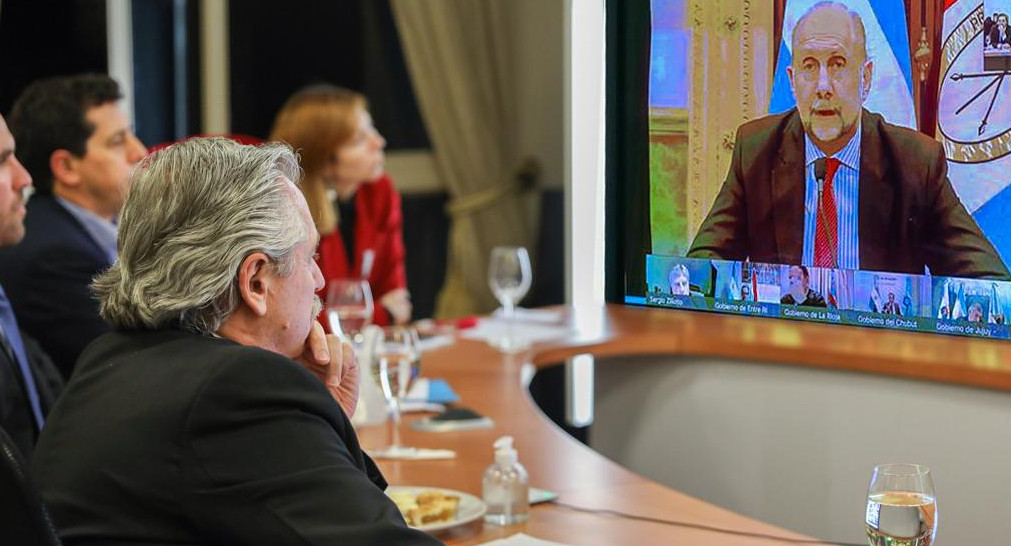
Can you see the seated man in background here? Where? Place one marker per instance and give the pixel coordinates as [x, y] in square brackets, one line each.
[217, 411]
[28, 382]
[79, 148]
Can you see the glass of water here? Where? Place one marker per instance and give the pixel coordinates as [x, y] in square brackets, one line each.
[349, 307]
[509, 277]
[396, 364]
[901, 506]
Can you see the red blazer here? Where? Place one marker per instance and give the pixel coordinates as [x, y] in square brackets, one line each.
[379, 229]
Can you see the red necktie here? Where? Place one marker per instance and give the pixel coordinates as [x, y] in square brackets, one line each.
[826, 232]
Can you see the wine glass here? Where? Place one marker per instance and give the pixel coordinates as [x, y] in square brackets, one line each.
[509, 278]
[349, 308]
[901, 506]
[397, 362]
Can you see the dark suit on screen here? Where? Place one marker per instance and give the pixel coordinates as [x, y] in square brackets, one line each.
[811, 299]
[174, 438]
[998, 37]
[909, 215]
[47, 277]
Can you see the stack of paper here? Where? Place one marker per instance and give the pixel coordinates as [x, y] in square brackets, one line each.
[521, 539]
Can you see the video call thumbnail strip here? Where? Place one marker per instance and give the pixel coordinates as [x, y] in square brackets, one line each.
[972, 307]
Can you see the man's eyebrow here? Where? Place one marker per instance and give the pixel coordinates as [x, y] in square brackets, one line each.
[6, 154]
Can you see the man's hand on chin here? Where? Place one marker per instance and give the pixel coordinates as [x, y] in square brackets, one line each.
[334, 363]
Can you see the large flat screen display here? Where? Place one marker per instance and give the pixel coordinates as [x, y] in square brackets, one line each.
[845, 162]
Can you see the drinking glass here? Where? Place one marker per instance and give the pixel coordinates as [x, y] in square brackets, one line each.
[509, 277]
[901, 506]
[349, 308]
[397, 362]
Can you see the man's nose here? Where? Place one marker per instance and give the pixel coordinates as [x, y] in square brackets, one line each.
[824, 85]
[137, 149]
[317, 277]
[22, 179]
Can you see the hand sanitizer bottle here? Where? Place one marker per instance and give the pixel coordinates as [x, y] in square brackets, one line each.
[505, 486]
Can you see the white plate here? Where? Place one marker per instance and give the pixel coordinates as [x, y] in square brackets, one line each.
[469, 509]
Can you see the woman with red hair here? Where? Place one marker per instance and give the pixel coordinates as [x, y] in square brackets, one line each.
[353, 202]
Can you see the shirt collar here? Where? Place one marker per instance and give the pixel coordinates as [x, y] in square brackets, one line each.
[848, 156]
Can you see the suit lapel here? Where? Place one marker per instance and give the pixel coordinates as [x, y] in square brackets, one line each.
[788, 188]
[876, 196]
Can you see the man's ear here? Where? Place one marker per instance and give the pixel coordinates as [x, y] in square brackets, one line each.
[63, 165]
[254, 279]
[868, 77]
[789, 75]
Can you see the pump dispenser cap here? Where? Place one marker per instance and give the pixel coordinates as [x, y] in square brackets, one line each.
[505, 454]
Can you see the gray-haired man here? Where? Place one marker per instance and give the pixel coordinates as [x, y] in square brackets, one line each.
[217, 410]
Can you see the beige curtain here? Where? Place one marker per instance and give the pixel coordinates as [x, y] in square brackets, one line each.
[458, 57]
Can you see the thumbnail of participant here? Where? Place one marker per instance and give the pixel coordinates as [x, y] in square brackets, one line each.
[798, 291]
[892, 294]
[675, 276]
[972, 300]
[997, 33]
[830, 184]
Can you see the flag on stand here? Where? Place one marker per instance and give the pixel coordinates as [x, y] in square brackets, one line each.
[996, 315]
[754, 286]
[958, 309]
[945, 307]
[876, 304]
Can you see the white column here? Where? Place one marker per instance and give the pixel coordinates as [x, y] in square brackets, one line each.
[214, 69]
[584, 149]
[119, 38]
[579, 390]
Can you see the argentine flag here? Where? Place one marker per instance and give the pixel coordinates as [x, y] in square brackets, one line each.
[887, 46]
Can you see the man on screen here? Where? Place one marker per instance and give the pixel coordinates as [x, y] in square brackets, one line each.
[975, 313]
[680, 285]
[800, 292]
[829, 184]
[891, 306]
[1000, 35]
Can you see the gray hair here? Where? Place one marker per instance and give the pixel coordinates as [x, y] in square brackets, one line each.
[679, 270]
[194, 212]
[859, 33]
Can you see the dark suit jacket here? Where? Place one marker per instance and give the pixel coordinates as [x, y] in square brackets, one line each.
[909, 215]
[811, 299]
[47, 277]
[173, 438]
[997, 38]
[15, 412]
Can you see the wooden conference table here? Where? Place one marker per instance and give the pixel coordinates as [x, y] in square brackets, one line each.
[493, 384]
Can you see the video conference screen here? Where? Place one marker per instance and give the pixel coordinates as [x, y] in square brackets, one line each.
[827, 163]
